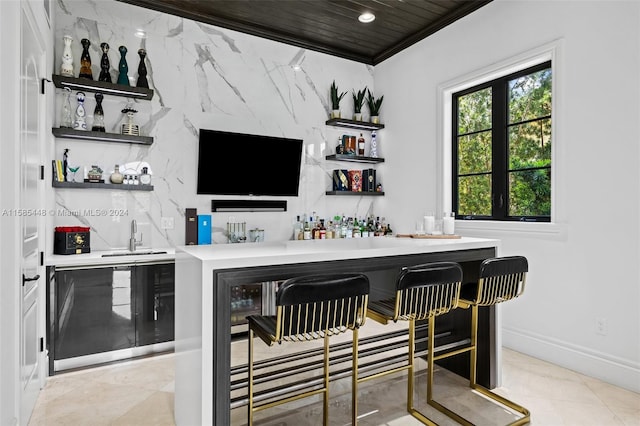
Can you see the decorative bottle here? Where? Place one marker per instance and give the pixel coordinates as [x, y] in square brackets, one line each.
[374, 145]
[105, 75]
[123, 67]
[85, 60]
[66, 69]
[142, 70]
[98, 114]
[79, 122]
[361, 145]
[116, 176]
[66, 119]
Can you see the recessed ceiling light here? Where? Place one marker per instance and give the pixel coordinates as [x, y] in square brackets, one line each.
[366, 17]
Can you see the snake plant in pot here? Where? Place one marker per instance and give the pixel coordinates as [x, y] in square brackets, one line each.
[335, 100]
[374, 106]
[358, 102]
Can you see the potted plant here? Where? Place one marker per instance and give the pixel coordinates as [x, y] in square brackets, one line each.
[335, 100]
[374, 106]
[358, 102]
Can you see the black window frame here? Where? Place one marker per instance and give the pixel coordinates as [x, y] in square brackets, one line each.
[499, 146]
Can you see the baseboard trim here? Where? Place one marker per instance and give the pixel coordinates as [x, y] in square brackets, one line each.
[618, 372]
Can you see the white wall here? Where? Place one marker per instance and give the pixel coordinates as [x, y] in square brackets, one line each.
[587, 267]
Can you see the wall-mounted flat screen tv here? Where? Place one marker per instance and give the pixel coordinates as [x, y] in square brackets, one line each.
[244, 164]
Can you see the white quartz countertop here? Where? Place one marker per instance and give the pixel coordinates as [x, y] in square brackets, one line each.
[98, 258]
[223, 256]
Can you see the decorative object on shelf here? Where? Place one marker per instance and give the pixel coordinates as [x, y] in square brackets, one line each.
[98, 114]
[85, 60]
[142, 70]
[349, 142]
[66, 69]
[361, 145]
[105, 75]
[355, 180]
[358, 102]
[379, 187]
[116, 177]
[123, 68]
[65, 164]
[369, 180]
[130, 128]
[374, 106]
[145, 176]
[66, 120]
[73, 170]
[373, 151]
[94, 175]
[79, 123]
[335, 100]
[340, 180]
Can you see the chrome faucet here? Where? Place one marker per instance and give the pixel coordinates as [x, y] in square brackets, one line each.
[132, 239]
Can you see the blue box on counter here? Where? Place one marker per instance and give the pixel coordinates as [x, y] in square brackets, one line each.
[204, 229]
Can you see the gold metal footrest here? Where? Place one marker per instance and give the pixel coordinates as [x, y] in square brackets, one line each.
[526, 419]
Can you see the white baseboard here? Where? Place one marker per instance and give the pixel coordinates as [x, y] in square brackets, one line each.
[616, 371]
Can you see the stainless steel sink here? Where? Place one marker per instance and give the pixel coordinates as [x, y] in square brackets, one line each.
[133, 253]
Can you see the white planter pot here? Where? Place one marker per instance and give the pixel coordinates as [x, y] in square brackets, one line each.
[335, 113]
[375, 119]
[357, 116]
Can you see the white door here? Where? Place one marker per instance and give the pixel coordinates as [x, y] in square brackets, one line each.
[32, 104]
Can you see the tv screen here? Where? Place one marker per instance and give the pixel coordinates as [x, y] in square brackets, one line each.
[243, 164]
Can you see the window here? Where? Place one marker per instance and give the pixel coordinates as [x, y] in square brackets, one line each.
[501, 150]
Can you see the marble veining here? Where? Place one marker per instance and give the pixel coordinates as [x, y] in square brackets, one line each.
[208, 77]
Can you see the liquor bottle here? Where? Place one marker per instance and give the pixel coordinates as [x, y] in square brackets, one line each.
[364, 231]
[361, 145]
[356, 228]
[297, 229]
[323, 230]
[306, 234]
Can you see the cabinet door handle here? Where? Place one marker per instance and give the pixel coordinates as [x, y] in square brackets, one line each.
[25, 279]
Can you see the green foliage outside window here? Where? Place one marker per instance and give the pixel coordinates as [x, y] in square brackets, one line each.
[519, 142]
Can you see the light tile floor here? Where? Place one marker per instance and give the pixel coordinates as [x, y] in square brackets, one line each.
[140, 392]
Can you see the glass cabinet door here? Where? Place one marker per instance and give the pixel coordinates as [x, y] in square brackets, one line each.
[154, 286]
[94, 311]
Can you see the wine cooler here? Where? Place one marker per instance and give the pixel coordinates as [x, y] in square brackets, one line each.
[251, 299]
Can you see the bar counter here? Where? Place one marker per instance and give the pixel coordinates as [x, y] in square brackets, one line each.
[205, 275]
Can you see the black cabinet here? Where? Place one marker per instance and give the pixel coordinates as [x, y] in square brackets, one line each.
[154, 300]
[107, 313]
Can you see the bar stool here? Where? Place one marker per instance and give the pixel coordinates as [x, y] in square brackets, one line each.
[309, 308]
[422, 292]
[500, 279]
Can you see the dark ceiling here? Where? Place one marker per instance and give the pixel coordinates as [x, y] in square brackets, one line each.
[329, 26]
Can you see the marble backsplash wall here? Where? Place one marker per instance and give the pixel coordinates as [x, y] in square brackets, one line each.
[203, 77]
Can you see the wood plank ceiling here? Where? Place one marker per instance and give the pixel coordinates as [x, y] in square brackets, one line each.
[329, 26]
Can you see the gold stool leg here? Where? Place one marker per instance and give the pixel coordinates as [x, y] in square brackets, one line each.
[479, 388]
[430, 367]
[250, 380]
[473, 354]
[410, 372]
[325, 407]
[354, 379]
